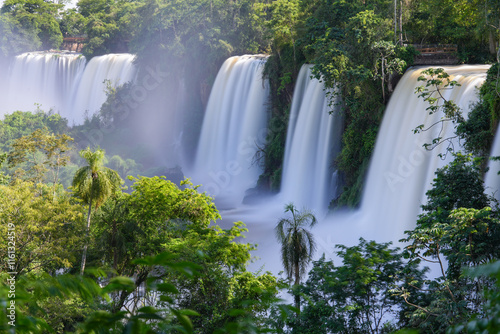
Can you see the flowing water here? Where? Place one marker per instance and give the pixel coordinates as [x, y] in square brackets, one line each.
[400, 173]
[89, 91]
[401, 170]
[46, 79]
[235, 127]
[312, 143]
[63, 82]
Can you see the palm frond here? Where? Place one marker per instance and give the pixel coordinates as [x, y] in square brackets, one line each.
[94, 182]
[297, 243]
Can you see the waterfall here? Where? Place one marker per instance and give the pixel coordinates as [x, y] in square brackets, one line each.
[401, 170]
[400, 173]
[42, 78]
[234, 127]
[312, 142]
[90, 92]
[492, 178]
[63, 82]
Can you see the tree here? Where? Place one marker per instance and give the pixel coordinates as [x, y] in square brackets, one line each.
[14, 38]
[4, 179]
[45, 231]
[297, 244]
[457, 229]
[350, 45]
[158, 216]
[356, 296]
[19, 124]
[94, 184]
[485, 321]
[72, 23]
[38, 17]
[436, 82]
[39, 153]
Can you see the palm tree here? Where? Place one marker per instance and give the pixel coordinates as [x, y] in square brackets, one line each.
[94, 184]
[297, 243]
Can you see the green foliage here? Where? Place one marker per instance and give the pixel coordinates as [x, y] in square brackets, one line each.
[159, 200]
[357, 296]
[34, 292]
[490, 93]
[479, 129]
[72, 23]
[94, 183]
[436, 81]
[84, 302]
[158, 216]
[281, 70]
[351, 47]
[4, 179]
[297, 244]
[457, 185]
[223, 284]
[109, 25]
[458, 227]
[45, 230]
[51, 129]
[457, 22]
[280, 19]
[124, 167]
[487, 320]
[36, 17]
[39, 153]
[193, 36]
[14, 38]
[18, 124]
[472, 239]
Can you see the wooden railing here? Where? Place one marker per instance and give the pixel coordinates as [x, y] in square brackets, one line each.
[73, 43]
[436, 49]
[74, 39]
[436, 54]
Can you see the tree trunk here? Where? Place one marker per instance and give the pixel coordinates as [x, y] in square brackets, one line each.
[296, 286]
[115, 247]
[396, 22]
[84, 255]
[383, 77]
[492, 42]
[400, 23]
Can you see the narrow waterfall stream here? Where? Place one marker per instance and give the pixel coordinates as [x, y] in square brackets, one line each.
[312, 143]
[234, 128]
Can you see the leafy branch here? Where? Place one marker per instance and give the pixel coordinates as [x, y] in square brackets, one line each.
[436, 82]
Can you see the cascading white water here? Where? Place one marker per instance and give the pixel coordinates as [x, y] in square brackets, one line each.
[401, 170]
[492, 178]
[90, 91]
[400, 173]
[62, 81]
[42, 78]
[313, 141]
[234, 127]
[235, 123]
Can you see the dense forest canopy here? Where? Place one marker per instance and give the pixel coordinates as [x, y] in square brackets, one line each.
[155, 260]
[361, 45]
